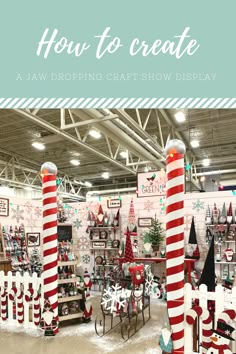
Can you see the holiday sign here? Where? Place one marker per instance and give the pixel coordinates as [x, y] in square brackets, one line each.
[151, 184]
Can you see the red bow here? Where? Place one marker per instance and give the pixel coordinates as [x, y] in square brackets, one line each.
[220, 348]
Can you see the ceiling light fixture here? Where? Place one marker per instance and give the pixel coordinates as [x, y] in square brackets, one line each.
[194, 143]
[38, 146]
[124, 154]
[203, 178]
[95, 133]
[88, 184]
[206, 162]
[75, 162]
[27, 188]
[105, 175]
[180, 117]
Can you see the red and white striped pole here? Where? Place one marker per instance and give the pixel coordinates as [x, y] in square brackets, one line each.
[175, 150]
[48, 173]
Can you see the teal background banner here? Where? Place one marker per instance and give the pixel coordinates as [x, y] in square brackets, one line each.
[209, 72]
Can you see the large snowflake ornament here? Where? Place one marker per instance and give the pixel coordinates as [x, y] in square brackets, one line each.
[114, 298]
[83, 243]
[148, 205]
[77, 223]
[86, 258]
[198, 205]
[17, 214]
[149, 284]
[28, 207]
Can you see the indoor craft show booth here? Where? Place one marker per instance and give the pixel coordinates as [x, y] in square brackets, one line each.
[119, 226]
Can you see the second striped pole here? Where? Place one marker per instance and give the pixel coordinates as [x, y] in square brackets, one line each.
[175, 150]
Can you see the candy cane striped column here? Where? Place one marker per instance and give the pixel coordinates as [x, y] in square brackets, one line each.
[175, 150]
[204, 314]
[48, 172]
[3, 295]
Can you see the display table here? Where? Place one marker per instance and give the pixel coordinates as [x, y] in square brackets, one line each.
[189, 262]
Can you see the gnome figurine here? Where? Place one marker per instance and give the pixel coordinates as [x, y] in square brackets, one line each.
[147, 245]
[117, 218]
[223, 216]
[48, 322]
[111, 219]
[208, 216]
[100, 216]
[215, 216]
[105, 219]
[87, 280]
[88, 309]
[230, 214]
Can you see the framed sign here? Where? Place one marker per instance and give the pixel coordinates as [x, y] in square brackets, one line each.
[114, 203]
[4, 207]
[150, 184]
[64, 232]
[33, 239]
[145, 222]
[99, 244]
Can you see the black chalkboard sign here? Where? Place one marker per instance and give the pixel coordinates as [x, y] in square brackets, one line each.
[64, 232]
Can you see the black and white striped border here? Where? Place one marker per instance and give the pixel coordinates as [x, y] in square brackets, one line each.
[117, 102]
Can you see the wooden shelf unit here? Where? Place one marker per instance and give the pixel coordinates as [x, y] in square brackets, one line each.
[71, 316]
[69, 298]
[72, 280]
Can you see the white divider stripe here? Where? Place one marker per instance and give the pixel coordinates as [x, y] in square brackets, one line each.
[102, 102]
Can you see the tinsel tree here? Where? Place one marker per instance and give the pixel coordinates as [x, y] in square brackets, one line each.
[156, 232]
[35, 261]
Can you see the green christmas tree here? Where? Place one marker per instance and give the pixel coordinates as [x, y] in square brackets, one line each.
[35, 261]
[156, 233]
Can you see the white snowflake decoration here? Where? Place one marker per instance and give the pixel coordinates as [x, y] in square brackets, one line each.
[86, 258]
[17, 214]
[148, 205]
[187, 221]
[77, 223]
[149, 284]
[83, 243]
[114, 298]
[28, 207]
[198, 205]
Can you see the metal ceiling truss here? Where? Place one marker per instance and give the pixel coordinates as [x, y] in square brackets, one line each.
[15, 173]
[120, 132]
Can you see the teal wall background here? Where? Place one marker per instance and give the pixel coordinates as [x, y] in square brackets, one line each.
[211, 23]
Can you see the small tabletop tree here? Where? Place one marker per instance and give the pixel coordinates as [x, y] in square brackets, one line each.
[156, 233]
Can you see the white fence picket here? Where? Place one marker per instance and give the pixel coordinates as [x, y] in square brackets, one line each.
[23, 282]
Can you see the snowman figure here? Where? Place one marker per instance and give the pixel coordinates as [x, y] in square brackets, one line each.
[220, 339]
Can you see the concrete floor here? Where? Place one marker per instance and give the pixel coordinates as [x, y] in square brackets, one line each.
[81, 338]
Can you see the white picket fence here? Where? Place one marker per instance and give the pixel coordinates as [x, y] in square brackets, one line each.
[22, 282]
[223, 300]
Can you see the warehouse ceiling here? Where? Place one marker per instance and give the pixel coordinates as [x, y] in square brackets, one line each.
[141, 134]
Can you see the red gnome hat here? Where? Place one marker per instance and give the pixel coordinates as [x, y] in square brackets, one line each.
[100, 216]
[131, 220]
[128, 257]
